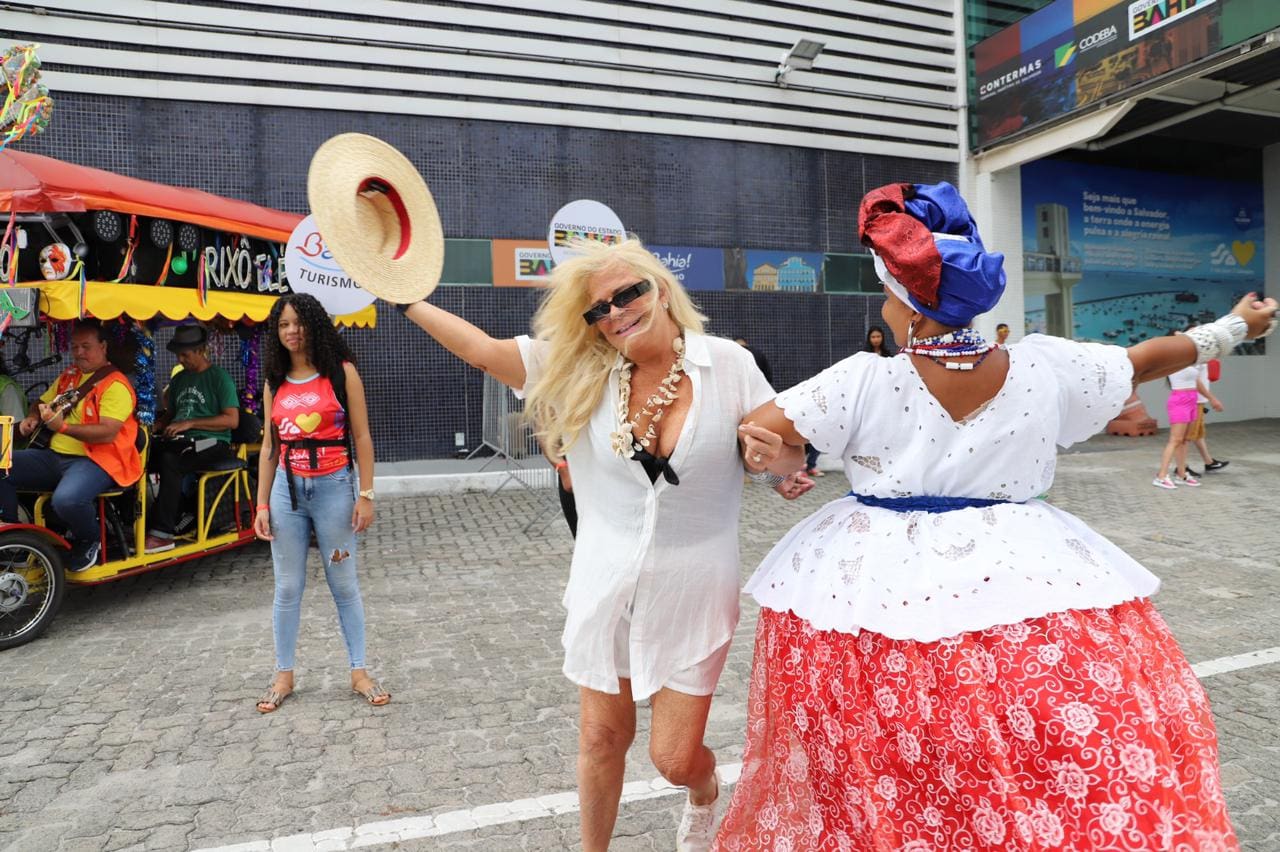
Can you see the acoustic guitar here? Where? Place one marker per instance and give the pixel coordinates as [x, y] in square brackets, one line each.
[62, 404]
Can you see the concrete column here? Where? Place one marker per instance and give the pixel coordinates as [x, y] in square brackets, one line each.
[995, 199]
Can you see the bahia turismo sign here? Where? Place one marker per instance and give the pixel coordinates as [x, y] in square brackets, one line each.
[1073, 53]
[695, 268]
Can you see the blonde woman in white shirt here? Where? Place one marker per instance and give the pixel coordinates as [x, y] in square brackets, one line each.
[623, 384]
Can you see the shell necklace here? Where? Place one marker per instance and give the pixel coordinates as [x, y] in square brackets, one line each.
[624, 440]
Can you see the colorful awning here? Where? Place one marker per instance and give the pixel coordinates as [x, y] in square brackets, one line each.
[60, 300]
[30, 183]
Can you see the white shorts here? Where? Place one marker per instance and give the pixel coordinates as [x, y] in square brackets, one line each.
[699, 679]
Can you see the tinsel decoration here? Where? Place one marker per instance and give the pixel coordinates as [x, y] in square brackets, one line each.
[249, 357]
[200, 282]
[27, 107]
[164, 270]
[61, 336]
[215, 344]
[130, 247]
[83, 294]
[144, 374]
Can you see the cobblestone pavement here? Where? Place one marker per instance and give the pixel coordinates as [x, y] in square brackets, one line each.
[130, 725]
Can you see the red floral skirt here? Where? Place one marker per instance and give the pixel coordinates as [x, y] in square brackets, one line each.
[1077, 730]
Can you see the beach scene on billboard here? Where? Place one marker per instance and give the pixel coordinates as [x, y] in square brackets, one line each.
[1118, 255]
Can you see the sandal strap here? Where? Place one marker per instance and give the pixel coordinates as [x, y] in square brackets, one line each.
[373, 691]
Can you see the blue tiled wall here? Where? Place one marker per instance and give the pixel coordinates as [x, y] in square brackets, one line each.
[494, 180]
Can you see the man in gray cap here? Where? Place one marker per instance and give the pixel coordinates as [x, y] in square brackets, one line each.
[201, 407]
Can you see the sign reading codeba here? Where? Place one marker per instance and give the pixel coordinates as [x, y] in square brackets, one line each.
[1074, 53]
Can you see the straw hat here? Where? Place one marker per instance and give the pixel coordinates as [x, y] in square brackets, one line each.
[377, 217]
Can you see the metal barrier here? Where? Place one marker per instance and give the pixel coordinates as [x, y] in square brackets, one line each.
[506, 432]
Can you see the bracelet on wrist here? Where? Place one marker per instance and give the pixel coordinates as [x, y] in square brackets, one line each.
[1219, 338]
[62, 430]
[262, 508]
[764, 477]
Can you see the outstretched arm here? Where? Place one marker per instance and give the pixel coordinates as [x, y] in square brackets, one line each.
[1161, 356]
[499, 358]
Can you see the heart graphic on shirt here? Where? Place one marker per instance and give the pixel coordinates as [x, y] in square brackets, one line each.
[308, 422]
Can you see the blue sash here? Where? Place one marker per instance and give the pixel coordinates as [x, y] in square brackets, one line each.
[925, 503]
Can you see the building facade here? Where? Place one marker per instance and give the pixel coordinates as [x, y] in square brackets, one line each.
[676, 117]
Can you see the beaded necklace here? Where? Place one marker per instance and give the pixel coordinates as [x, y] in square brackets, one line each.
[956, 344]
[623, 440]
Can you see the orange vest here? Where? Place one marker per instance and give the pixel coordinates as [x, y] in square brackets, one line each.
[119, 458]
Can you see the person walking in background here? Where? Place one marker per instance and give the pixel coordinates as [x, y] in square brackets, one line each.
[1002, 333]
[761, 361]
[811, 455]
[305, 484]
[1195, 433]
[876, 344]
[564, 488]
[1185, 387]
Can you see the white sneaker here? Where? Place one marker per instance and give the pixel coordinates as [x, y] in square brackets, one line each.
[1163, 482]
[698, 823]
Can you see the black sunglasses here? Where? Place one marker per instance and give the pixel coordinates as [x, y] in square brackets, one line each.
[620, 299]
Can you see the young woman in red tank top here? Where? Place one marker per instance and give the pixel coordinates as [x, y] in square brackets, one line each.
[307, 481]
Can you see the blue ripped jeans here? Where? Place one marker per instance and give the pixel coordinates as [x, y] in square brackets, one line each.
[325, 504]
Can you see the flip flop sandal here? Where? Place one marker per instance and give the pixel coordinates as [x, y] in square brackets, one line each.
[374, 694]
[274, 697]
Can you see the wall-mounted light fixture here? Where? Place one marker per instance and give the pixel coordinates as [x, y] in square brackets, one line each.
[799, 58]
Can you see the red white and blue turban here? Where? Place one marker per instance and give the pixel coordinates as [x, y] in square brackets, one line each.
[928, 253]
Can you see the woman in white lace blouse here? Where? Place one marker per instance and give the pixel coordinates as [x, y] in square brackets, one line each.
[943, 661]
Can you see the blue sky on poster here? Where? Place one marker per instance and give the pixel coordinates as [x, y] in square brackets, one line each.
[1136, 230]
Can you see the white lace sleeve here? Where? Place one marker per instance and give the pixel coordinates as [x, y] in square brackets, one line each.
[823, 408]
[1094, 381]
[532, 353]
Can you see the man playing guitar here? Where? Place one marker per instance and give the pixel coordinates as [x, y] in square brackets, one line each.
[91, 444]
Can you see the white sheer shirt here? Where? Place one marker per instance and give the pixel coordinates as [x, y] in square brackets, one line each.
[668, 552]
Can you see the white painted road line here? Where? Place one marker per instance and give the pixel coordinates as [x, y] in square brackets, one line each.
[413, 828]
[542, 807]
[1223, 665]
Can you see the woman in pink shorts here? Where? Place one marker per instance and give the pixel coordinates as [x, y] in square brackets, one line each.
[1184, 386]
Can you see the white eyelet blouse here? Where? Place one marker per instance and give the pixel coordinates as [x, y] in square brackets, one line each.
[670, 553]
[915, 575]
